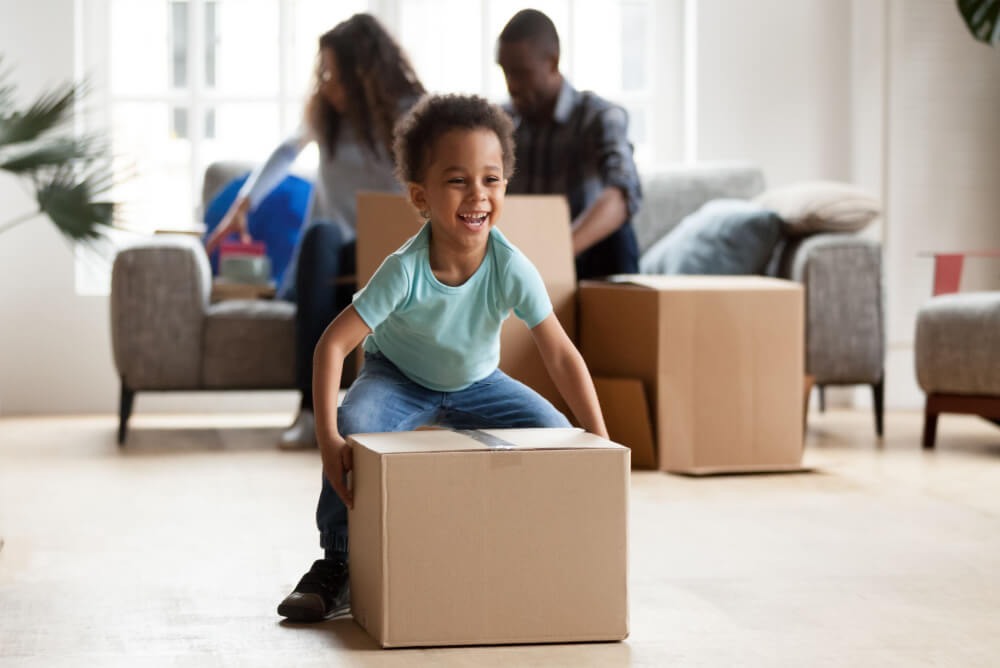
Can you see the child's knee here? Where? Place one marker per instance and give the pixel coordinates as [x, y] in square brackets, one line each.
[366, 414]
[553, 419]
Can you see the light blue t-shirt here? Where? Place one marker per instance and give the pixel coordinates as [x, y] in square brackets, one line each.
[448, 337]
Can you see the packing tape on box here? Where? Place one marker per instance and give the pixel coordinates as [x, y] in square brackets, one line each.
[489, 440]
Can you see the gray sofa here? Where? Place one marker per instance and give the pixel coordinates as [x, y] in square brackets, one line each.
[167, 335]
[841, 274]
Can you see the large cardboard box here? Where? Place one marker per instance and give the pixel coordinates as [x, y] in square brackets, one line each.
[539, 225]
[714, 365]
[489, 537]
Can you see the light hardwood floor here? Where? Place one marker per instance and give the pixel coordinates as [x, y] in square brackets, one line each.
[176, 550]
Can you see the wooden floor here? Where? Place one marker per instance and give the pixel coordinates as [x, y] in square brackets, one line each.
[176, 550]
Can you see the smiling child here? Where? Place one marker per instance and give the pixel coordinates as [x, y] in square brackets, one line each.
[430, 318]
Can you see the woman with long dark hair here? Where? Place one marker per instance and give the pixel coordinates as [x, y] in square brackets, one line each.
[364, 82]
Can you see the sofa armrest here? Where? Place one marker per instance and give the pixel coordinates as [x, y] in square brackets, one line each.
[159, 296]
[845, 322]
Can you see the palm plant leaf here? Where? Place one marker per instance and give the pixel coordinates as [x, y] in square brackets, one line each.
[6, 92]
[983, 19]
[70, 175]
[70, 198]
[48, 112]
[29, 158]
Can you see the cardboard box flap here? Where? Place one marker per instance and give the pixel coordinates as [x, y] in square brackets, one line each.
[699, 283]
[442, 440]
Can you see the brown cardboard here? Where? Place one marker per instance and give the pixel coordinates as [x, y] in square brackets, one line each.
[626, 415]
[537, 224]
[500, 536]
[720, 359]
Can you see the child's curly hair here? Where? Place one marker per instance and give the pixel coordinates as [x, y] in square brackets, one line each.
[435, 115]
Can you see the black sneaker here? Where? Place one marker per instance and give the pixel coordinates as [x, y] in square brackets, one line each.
[322, 593]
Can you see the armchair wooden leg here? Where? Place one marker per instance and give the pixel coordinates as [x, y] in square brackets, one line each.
[124, 412]
[985, 406]
[930, 428]
[822, 398]
[878, 403]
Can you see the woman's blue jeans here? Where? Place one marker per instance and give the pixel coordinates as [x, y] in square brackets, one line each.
[324, 255]
[383, 399]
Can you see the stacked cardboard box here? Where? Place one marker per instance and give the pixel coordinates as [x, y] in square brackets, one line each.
[707, 370]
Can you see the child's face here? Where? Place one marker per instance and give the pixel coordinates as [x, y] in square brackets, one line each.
[463, 186]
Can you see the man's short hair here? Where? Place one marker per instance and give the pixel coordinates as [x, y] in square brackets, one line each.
[532, 25]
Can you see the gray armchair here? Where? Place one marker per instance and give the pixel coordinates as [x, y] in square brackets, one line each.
[841, 274]
[167, 336]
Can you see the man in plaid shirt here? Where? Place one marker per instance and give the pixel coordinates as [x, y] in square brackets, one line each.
[570, 143]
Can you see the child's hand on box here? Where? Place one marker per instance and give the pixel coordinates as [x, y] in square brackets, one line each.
[338, 460]
[343, 335]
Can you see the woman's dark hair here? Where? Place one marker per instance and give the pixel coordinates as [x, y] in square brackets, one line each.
[376, 76]
[436, 115]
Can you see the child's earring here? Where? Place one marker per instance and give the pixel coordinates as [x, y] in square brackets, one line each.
[424, 214]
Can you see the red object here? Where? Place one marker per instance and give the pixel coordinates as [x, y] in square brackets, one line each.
[947, 272]
[241, 248]
[948, 269]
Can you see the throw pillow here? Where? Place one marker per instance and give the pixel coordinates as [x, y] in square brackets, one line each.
[276, 221]
[724, 236]
[821, 206]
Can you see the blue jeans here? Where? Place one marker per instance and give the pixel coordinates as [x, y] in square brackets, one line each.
[383, 399]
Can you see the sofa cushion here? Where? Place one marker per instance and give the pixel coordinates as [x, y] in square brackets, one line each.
[249, 344]
[725, 236]
[821, 206]
[672, 192]
[956, 345]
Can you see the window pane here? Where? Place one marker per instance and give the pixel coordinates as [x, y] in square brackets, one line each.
[246, 48]
[139, 64]
[179, 44]
[452, 65]
[637, 125]
[210, 124]
[294, 117]
[635, 18]
[243, 132]
[152, 169]
[310, 19]
[308, 160]
[179, 123]
[211, 44]
[597, 48]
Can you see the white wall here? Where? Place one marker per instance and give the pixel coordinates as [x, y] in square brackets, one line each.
[773, 80]
[893, 95]
[54, 352]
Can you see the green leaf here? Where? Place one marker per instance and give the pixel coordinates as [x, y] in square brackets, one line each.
[49, 111]
[69, 200]
[34, 156]
[983, 19]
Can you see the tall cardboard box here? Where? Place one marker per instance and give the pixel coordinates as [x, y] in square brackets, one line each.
[539, 225]
[719, 360]
[489, 537]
